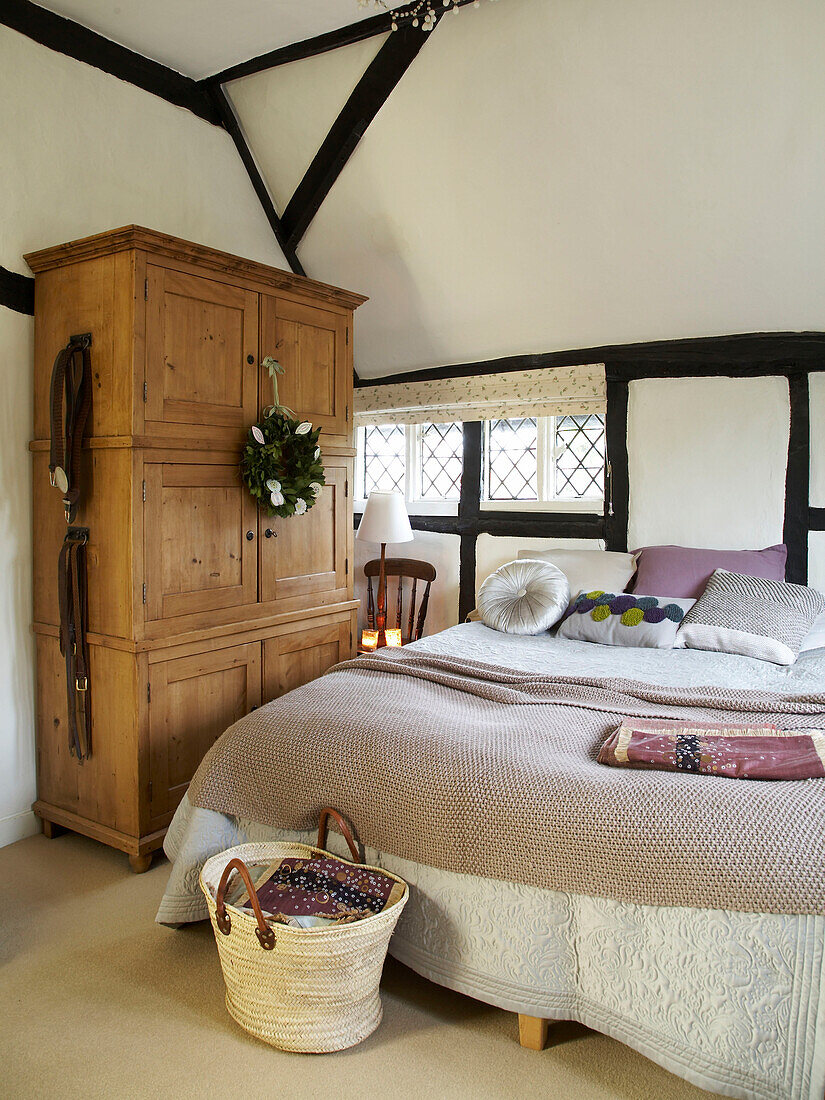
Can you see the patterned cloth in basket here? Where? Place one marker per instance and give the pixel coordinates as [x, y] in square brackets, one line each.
[324, 887]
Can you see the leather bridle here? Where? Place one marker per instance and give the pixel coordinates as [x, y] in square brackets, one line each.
[70, 399]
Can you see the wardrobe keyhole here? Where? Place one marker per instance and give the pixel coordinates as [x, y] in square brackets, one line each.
[270, 534]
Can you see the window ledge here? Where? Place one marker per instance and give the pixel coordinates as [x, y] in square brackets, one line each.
[419, 507]
[591, 506]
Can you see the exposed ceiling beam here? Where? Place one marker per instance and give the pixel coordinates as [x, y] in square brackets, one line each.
[322, 43]
[74, 40]
[230, 122]
[16, 291]
[370, 94]
[297, 51]
[750, 354]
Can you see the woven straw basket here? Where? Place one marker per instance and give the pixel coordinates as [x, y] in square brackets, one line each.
[311, 990]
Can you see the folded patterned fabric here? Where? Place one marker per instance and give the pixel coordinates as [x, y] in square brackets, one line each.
[735, 752]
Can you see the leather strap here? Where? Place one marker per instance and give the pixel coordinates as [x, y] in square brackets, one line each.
[71, 592]
[323, 824]
[266, 937]
[70, 399]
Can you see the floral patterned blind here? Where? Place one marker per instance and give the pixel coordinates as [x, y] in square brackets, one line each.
[548, 391]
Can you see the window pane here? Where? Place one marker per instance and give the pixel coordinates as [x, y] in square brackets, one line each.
[511, 468]
[385, 453]
[441, 456]
[579, 457]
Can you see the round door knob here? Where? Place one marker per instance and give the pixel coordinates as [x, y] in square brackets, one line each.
[250, 535]
[270, 534]
[250, 358]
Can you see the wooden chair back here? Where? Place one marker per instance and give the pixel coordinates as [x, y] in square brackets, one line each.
[403, 569]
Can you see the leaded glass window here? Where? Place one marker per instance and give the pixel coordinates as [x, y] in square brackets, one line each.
[511, 453]
[384, 458]
[579, 457]
[440, 456]
[546, 460]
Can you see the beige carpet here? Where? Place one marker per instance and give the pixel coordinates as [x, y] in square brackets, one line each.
[99, 1001]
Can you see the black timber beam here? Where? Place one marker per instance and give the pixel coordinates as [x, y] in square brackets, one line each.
[369, 96]
[322, 43]
[797, 481]
[747, 355]
[16, 291]
[74, 40]
[230, 123]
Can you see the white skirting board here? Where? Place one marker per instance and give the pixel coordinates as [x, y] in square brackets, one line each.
[18, 827]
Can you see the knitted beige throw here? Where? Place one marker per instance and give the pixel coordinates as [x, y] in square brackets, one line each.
[478, 769]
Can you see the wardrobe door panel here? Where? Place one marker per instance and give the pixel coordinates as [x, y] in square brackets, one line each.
[201, 351]
[294, 659]
[306, 557]
[192, 700]
[311, 344]
[200, 527]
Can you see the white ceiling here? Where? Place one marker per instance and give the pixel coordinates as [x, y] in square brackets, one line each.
[201, 37]
[566, 175]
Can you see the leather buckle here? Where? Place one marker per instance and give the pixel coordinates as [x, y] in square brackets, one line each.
[81, 683]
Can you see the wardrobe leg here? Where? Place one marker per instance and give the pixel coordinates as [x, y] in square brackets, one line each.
[50, 829]
[139, 864]
[532, 1032]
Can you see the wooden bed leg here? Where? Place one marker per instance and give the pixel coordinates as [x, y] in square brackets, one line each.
[139, 864]
[532, 1031]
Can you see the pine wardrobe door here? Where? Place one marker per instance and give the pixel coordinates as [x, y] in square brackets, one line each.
[304, 560]
[295, 658]
[192, 700]
[200, 528]
[313, 347]
[201, 351]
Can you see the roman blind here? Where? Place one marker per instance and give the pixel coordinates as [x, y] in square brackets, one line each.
[546, 391]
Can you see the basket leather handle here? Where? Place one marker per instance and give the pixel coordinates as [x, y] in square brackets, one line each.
[323, 824]
[266, 937]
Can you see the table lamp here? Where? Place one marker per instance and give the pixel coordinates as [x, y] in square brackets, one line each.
[384, 520]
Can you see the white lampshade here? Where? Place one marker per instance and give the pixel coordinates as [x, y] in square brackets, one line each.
[385, 519]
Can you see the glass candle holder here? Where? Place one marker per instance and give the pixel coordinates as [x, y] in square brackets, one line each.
[393, 637]
[369, 639]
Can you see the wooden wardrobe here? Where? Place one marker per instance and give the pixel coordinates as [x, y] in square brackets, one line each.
[199, 608]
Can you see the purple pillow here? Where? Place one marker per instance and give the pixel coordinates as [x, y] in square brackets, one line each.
[683, 571]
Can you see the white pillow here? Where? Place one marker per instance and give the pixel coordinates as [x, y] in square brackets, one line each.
[524, 597]
[589, 570]
[815, 638]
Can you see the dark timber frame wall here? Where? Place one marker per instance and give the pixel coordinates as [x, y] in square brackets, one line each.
[208, 100]
[791, 355]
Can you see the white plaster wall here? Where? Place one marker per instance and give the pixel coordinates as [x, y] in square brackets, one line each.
[82, 152]
[442, 551]
[494, 550]
[288, 111]
[707, 459]
[816, 383]
[567, 174]
[816, 560]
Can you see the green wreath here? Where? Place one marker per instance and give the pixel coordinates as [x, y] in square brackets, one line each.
[281, 463]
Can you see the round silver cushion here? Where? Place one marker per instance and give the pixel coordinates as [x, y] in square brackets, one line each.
[524, 597]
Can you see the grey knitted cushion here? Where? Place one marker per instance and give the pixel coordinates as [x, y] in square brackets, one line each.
[748, 615]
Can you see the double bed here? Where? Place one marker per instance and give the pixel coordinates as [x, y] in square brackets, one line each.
[681, 914]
